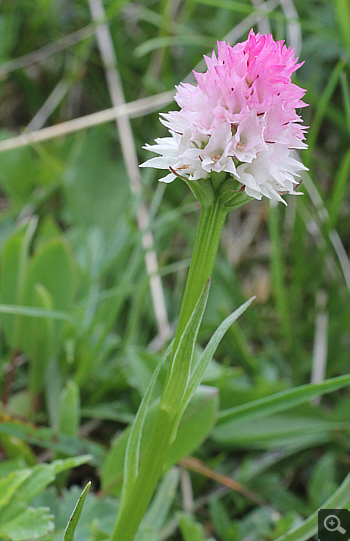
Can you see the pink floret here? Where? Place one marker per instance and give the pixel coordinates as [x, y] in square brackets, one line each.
[240, 118]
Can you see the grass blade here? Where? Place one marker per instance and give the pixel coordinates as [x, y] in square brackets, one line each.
[132, 454]
[74, 519]
[200, 368]
[339, 500]
[282, 401]
[179, 372]
[340, 184]
[36, 312]
[321, 109]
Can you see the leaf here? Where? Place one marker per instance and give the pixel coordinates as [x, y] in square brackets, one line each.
[39, 345]
[219, 517]
[30, 524]
[10, 484]
[290, 430]
[132, 453]
[194, 427]
[74, 519]
[35, 312]
[17, 171]
[69, 410]
[52, 267]
[48, 439]
[20, 488]
[304, 532]
[322, 481]
[280, 401]
[17, 449]
[190, 529]
[14, 261]
[11, 466]
[89, 201]
[343, 14]
[179, 370]
[201, 366]
[160, 506]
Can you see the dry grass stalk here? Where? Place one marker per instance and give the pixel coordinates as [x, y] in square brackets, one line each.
[105, 43]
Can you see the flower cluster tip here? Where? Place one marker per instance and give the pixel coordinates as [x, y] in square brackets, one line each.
[241, 118]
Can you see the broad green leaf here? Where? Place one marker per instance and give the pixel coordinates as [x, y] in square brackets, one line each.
[48, 230]
[36, 479]
[10, 466]
[39, 339]
[339, 500]
[52, 267]
[53, 388]
[18, 173]
[14, 262]
[280, 401]
[74, 519]
[93, 202]
[194, 427]
[322, 480]
[21, 405]
[10, 484]
[29, 524]
[69, 410]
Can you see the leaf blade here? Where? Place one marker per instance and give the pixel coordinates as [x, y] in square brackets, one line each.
[308, 528]
[282, 401]
[74, 519]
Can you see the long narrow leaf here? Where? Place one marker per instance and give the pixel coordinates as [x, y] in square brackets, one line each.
[74, 519]
[179, 373]
[132, 454]
[322, 108]
[282, 401]
[35, 312]
[340, 184]
[201, 366]
[306, 530]
[161, 504]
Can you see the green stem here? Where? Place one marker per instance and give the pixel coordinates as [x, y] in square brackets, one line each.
[151, 465]
[205, 249]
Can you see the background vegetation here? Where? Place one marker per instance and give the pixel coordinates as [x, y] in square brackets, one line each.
[72, 377]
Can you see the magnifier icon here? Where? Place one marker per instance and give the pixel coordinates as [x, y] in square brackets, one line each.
[332, 524]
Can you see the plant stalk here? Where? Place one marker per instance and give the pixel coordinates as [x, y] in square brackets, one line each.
[151, 464]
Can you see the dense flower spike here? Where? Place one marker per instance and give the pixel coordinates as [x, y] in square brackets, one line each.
[240, 119]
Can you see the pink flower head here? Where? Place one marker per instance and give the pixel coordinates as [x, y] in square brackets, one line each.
[241, 119]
